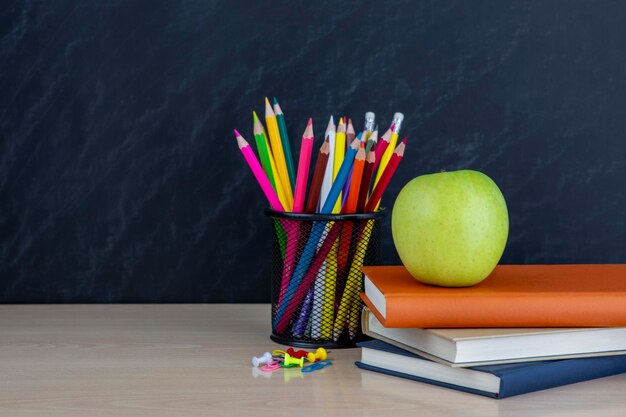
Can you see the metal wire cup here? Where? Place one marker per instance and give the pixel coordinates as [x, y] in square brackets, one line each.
[317, 278]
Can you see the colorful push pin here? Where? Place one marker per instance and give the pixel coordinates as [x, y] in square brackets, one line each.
[278, 352]
[297, 353]
[319, 355]
[289, 361]
[265, 359]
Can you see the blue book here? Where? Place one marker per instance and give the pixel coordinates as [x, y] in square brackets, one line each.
[496, 381]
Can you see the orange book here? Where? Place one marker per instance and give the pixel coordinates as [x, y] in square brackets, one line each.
[512, 296]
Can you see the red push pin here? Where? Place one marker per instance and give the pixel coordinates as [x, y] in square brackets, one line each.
[297, 353]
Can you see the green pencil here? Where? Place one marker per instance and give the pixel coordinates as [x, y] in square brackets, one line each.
[261, 145]
[372, 141]
[284, 138]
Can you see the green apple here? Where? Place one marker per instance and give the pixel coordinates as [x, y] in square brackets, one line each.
[450, 228]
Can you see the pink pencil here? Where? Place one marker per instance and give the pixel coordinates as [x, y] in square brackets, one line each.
[303, 168]
[258, 172]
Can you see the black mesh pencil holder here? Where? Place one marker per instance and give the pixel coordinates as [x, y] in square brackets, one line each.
[317, 278]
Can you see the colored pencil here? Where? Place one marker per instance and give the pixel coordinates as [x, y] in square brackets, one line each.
[350, 136]
[277, 153]
[340, 178]
[370, 123]
[368, 170]
[340, 150]
[305, 279]
[327, 279]
[328, 175]
[371, 142]
[292, 231]
[324, 281]
[277, 184]
[303, 318]
[267, 161]
[318, 177]
[345, 238]
[303, 168]
[353, 284]
[380, 188]
[386, 156]
[383, 144]
[260, 176]
[315, 236]
[262, 148]
[284, 139]
[355, 186]
[355, 316]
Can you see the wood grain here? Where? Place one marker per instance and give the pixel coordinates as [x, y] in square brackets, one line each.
[192, 360]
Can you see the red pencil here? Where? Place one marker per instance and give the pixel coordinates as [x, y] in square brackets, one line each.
[380, 188]
[318, 177]
[357, 174]
[368, 172]
[381, 146]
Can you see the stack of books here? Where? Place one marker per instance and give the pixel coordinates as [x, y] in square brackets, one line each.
[525, 328]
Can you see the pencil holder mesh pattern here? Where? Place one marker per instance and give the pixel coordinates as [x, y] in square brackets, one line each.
[317, 278]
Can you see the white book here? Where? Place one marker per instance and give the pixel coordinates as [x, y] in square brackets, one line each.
[489, 346]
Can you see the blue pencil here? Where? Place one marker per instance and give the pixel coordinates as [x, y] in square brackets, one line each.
[318, 229]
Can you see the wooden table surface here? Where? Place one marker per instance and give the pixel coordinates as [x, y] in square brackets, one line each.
[194, 360]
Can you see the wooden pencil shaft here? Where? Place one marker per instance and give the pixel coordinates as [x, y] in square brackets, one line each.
[318, 178]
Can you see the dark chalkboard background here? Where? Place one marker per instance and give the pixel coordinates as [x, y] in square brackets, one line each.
[120, 180]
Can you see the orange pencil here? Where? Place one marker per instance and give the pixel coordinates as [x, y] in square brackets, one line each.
[349, 208]
[355, 187]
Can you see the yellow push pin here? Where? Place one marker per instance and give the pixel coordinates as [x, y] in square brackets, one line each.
[319, 355]
[290, 361]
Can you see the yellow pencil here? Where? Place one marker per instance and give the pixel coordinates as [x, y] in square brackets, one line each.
[353, 283]
[279, 186]
[393, 141]
[277, 152]
[355, 317]
[340, 152]
[328, 305]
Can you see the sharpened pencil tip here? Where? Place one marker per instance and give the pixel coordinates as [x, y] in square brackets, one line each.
[310, 121]
[404, 140]
[255, 118]
[275, 100]
[267, 102]
[237, 134]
